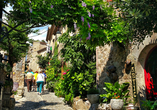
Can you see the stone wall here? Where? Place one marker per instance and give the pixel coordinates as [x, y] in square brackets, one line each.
[117, 55]
[32, 53]
[107, 57]
[18, 75]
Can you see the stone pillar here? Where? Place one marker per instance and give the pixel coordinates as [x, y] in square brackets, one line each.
[19, 77]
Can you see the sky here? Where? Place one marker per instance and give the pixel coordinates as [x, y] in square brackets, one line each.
[42, 30]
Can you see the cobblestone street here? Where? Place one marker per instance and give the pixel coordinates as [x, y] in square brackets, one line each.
[47, 101]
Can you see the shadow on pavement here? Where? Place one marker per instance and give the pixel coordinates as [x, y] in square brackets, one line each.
[29, 105]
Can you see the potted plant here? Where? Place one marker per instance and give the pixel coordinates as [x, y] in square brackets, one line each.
[93, 95]
[116, 94]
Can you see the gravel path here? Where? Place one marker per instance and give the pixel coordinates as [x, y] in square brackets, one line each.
[47, 101]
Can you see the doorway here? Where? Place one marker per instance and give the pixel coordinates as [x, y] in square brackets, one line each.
[150, 72]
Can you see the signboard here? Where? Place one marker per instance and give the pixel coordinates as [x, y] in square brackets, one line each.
[133, 77]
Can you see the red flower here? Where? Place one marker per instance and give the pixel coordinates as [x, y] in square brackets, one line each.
[114, 93]
[64, 73]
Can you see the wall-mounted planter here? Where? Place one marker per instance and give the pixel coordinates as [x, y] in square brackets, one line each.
[93, 98]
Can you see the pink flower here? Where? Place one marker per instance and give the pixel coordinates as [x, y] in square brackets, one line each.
[82, 18]
[89, 14]
[89, 36]
[88, 25]
[68, 70]
[84, 4]
[64, 73]
[93, 7]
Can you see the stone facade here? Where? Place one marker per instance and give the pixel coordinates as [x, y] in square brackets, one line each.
[118, 55]
[18, 72]
[53, 34]
[32, 53]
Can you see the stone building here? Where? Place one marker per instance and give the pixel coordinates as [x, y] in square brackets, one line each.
[37, 48]
[53, 34]
[131, 63]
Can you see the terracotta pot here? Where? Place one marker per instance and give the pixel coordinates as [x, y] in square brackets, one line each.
[93, 98]
[117, 104]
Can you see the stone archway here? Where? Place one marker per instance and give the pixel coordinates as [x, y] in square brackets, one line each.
[140, 66]
[139, 57]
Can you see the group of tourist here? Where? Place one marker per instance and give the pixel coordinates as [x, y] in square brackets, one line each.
[37, 80]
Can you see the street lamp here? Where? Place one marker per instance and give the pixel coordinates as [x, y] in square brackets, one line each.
[58, 34]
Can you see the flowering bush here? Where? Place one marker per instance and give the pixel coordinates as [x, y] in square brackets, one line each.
[115, 96]
[115, 91]
[52, 77]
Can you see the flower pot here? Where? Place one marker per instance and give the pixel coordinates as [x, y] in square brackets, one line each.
[93, 98]
[117, 104]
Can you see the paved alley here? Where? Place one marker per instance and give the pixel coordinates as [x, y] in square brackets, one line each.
[47, 101]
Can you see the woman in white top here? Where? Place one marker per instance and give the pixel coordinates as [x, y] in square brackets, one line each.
[40, 81]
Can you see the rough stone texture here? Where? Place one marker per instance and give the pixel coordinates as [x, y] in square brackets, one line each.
[9, 103]
[93, 98]
[116, 55]
[32, 53]
[78, 104]
[110, 55]
[83, 104]
[18, 75]
[94, 106]
[104, 106]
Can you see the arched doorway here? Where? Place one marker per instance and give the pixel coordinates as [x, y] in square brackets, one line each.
[150, 72]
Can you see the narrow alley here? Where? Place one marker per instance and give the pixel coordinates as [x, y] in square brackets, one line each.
[47, 101]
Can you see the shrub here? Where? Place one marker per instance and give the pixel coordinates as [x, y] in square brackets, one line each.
[149, 105]
[52, 78]
[115, 91]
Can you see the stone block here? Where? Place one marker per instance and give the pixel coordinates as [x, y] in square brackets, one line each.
[87, 104]
[104, 106]
[78, 104]
[9, 103]
[94, 106]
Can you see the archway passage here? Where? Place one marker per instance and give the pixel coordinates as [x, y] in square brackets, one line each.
[150, 72]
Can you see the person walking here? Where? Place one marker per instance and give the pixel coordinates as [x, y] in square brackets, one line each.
[44, 80]
[40, 82]
[29, 77]
[35, 81]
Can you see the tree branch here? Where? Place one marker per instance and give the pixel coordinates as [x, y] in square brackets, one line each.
[11, 30]
[12, 15]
